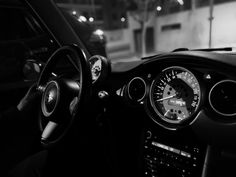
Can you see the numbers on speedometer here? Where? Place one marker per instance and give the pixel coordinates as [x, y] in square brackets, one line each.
[175, 94]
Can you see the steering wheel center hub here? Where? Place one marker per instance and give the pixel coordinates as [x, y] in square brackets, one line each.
[50, 98]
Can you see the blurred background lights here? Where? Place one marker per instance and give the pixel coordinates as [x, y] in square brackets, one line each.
[181, 2]
[99, 32]
[158, 8]
[82, 18]
[122, 19]
[74, 12]
[91, 19]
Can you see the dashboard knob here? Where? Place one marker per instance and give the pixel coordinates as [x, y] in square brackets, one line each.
[103, 95]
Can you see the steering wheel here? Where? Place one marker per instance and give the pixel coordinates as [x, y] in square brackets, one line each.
[62, 98]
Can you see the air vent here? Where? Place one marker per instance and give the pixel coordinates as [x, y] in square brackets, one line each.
[222, 98]
[136, 89]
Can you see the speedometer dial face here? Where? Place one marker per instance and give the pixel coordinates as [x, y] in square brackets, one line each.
[175, 94]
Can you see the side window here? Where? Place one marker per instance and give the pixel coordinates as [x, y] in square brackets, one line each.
[21, 39]
[15, 24]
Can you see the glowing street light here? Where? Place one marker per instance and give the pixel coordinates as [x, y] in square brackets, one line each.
[99, 32]
[122, 19]
[74, 12]
[181, 2]
[91, 19]
[82, 18]
[159, 8]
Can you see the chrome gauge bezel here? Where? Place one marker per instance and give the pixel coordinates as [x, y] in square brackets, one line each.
[101, 71]
[145, 88]
[91, 61]
[210, 101]
[161, 119]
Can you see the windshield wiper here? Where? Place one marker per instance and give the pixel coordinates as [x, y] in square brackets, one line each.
[220, 49]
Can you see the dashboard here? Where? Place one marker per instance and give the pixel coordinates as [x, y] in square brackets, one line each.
[189, 100]
[174, 88]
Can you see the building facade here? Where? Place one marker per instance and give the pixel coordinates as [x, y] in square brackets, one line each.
[193, 24]
[207, 24]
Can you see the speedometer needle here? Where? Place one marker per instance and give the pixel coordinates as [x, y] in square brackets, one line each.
[166, 98]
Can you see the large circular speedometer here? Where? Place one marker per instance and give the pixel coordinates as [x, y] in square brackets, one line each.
[175, 94]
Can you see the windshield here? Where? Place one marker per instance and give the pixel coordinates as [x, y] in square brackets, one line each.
[132, 29]
[87, 32]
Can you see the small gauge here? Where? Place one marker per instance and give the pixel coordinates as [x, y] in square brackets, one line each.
[222, 98]
[175, 94]
[100, 68]
[136, 89]
[96, 67]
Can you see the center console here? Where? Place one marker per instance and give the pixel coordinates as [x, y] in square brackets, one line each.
[168, 156]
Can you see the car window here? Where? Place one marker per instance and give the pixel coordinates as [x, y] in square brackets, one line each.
[86, 31]
[138, 28]
[23, 41]
[17, 24]
[21, 38]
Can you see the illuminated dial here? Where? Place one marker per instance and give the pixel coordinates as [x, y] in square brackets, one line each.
[175, 94]
[96, 67]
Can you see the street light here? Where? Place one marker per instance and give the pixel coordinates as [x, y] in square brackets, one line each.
[82, 18]
[91, 19]
[98, 32]
[122, 19]
[181, 2]
[74, 12]
[158, 8]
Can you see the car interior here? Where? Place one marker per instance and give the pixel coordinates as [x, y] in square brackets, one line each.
[170, 114]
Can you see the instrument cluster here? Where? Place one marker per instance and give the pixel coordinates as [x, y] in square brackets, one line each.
[173, 95]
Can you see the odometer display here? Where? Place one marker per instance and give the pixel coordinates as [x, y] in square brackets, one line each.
[175, 94]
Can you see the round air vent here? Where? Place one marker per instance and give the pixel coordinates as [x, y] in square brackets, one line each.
[222, 98]
[136, 89]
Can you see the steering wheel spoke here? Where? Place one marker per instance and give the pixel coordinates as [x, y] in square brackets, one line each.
[48, 131]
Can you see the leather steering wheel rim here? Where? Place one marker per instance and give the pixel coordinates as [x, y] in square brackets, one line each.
[52, 128]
